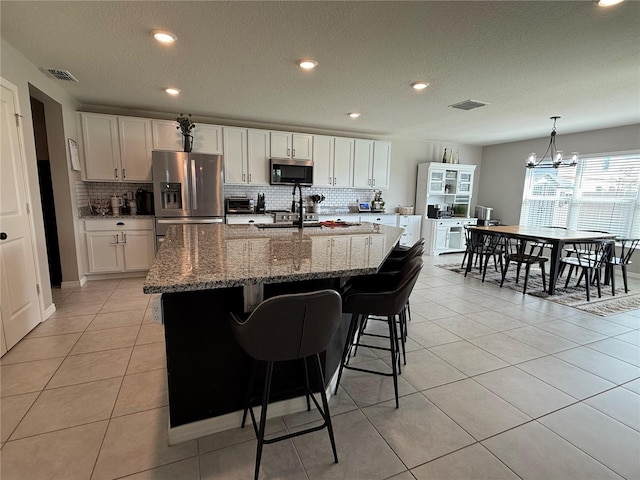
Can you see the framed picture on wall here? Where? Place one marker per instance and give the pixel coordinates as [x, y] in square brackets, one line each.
[73, 151]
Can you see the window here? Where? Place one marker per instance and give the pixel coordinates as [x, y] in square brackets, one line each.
[601, 193]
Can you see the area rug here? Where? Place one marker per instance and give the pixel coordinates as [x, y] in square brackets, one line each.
[571, 296]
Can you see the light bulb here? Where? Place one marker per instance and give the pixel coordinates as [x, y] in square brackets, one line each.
[172, 90]
[163, 36]
[307, 63]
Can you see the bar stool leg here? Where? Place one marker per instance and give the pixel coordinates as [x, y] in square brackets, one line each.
[394, 359]
[263, 417]
[306, 382]
[347, 348]
[252, 379]
[325, 407]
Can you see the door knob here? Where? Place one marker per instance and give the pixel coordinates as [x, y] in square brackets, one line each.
[3, 236]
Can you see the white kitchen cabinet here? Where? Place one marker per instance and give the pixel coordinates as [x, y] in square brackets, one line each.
[116, 148]
[241, 255]
[332, 161]
[235, 156]
[347, 217]
[372, 161]
[258, 148]
[206, 138]
[291, 145]
[119, 245]
[246, 160]
[390, 220]
[445, 235]
[248, 219]
[411, 226]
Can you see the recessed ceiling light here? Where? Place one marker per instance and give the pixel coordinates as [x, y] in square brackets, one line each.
[608, 3]
[354, 114]
[163, 36]
[307, 63]
[172, 90]
[420, 85]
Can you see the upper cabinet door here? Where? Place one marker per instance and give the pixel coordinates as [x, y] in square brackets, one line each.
[235, 155]
[381, 163]
[166, 135]
[302, 146]
[363, 157]
[258, 147]
[342, 162]
[101, 146]
[135, 148]
[207, 138]
[323, 161]
[280, 145]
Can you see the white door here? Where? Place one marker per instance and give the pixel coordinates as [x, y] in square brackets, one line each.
[235, 155]
[105, 252]
[322, 161]
[363, 157]
[343, 162]
[138, 248]
[258, 148]
[101, 146]
[302, 146]
[19, 305]
[135, 148]
[280, 145]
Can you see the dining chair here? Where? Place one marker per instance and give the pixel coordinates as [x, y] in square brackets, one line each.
[482, 246]
[515, 251]
[588, 256]
[621, 252]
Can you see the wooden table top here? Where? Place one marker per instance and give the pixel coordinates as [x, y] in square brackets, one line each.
[546, 233]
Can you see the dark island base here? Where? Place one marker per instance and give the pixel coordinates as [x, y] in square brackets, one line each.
[208, 372]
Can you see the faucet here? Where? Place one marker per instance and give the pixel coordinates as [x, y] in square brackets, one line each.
[300, 215]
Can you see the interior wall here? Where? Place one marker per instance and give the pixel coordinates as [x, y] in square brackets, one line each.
[15, 68]
[503, 171]
[503, 166]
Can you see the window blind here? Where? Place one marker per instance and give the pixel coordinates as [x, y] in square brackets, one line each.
[601, 193]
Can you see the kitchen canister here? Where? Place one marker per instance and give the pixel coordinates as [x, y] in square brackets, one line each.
[405, 210]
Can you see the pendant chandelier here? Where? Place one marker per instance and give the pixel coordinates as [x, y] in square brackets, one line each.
[555, 159]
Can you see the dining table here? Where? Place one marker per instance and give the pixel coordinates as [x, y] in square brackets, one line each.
[554, 236]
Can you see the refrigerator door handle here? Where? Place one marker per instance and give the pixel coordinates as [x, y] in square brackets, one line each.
[194, 190]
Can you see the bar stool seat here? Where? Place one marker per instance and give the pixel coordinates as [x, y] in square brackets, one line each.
[284, 328]
[387, 303]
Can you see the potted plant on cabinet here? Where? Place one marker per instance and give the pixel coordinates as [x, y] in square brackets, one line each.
[185, 124]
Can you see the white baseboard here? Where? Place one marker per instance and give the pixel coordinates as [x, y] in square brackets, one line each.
[231, 420]
[50, 310]
[114, 276]
[73, 284]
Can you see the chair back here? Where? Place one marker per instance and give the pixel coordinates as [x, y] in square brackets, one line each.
[288, 327]
[590, 254]
[623, 249]
[524, 251]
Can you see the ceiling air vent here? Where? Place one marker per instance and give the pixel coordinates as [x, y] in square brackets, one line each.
[61, 74]
[468, 104]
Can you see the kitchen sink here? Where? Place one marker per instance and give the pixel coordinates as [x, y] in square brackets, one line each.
[287, 225]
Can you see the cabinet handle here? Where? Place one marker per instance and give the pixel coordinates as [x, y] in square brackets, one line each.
[115, 237]
[124, 237]
[124, 173]
[330, 180]
[249, 178]
[243, 177]
[374, 181]
[294, 152]
[252, 221]
[3, 236]
[288, 152]
[115, 172]
[334, 180]
[120, 224]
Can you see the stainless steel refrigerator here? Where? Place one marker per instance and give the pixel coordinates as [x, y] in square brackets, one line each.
[187, 188]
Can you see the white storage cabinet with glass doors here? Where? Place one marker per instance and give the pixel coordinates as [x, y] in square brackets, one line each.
[446, 185]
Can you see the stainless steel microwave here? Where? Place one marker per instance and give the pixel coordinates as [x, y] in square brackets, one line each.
[287, 171]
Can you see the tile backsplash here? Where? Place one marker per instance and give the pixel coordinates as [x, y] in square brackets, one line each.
[277, 197]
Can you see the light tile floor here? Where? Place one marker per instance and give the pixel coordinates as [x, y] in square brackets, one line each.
[497, 385]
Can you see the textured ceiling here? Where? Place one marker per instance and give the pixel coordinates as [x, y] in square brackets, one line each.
[236, 61]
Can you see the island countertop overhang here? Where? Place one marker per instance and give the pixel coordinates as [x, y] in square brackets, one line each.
[211, 256]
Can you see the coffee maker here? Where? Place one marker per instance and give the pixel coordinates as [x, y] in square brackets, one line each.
[260, 207]
[144, 202]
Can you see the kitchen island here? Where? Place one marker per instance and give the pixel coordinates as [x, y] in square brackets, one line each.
[206, 271]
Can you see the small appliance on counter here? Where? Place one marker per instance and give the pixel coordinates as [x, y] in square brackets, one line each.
[439, 211]
[116, 204]
[144, 202]
[377, 206]
[483, 214]
[239, 205]
[364, 207]
[260, 206]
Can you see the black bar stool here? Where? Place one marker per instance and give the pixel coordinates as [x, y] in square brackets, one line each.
[284, 328]
[387, 301]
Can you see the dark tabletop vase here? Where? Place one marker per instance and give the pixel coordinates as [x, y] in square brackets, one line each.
[188, 142]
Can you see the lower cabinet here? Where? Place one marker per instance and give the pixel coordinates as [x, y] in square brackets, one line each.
[411, 225]
[119, 245]
[445, 235]
[248, 219]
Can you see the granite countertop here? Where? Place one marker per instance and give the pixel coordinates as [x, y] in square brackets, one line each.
[208, 256]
